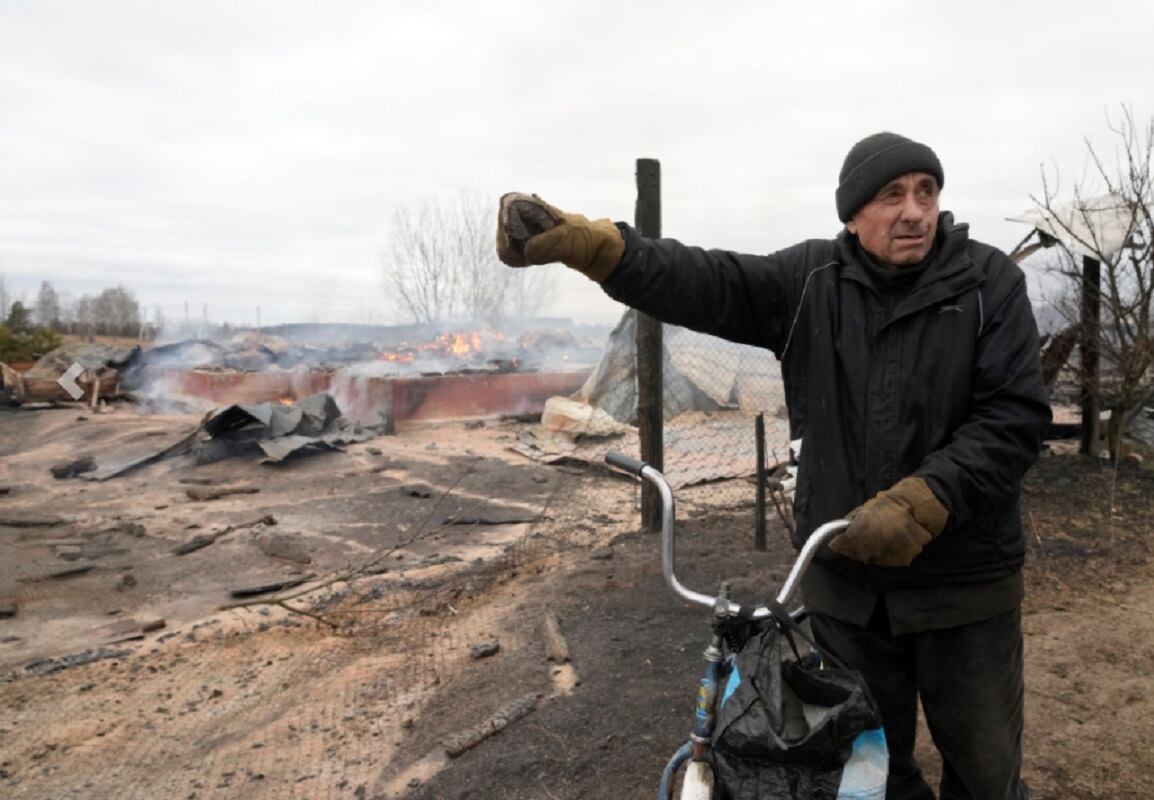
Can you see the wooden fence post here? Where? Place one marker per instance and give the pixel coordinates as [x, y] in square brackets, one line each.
[650, 393]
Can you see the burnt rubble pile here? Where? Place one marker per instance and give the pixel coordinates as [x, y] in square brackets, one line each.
[95, 369]
[145, 374]
[439, 352]
[244, 353]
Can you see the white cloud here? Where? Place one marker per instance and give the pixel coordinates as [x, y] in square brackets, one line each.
[232, 154]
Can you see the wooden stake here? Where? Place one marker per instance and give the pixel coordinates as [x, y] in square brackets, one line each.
[650, 380]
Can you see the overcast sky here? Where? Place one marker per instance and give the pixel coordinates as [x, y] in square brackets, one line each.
[243, 153]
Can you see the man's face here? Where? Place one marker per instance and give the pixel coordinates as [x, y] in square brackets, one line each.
[897, 227]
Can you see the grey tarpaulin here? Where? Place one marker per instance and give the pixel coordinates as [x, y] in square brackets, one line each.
[701, 373]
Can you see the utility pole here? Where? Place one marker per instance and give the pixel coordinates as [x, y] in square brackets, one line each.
[650, 381]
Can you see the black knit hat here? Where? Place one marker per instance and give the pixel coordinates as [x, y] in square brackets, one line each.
[875, 161]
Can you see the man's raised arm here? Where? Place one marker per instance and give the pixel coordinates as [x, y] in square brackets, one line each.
[742, 298]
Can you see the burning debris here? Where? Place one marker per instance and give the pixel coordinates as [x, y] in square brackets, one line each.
[392, 379]
[438, 352]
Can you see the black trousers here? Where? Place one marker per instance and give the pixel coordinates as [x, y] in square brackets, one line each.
[970, 681]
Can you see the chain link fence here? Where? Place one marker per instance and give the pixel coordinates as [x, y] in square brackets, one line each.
[715, 391]
[715, 396]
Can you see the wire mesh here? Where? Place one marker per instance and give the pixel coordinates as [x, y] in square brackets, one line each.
[714, 392]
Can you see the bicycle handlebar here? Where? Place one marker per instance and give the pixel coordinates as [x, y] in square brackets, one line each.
[668, 552]
[625, 463]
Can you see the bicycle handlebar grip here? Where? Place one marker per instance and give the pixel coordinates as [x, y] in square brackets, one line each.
[624, 462]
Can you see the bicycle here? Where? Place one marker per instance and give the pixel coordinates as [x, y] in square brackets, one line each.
[863, 773]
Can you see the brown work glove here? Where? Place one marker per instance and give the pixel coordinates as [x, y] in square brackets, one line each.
[530, 231]
[893, 526]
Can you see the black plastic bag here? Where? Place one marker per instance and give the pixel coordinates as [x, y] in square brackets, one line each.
[786, 730]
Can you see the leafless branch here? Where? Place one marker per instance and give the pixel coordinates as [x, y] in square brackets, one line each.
[1110, 218]
[441, 264]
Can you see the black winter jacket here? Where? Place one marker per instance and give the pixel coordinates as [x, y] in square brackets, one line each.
[947, 387]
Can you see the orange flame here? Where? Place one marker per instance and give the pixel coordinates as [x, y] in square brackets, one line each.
[459, 344]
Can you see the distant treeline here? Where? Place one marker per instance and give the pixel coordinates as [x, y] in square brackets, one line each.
[113, 312]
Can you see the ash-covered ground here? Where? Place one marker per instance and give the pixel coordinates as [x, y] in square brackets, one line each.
[444, 567]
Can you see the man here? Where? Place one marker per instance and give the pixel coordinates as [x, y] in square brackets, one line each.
[909, 354]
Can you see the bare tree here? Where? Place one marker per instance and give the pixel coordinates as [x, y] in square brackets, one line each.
[441, 265]
[117, 312]
[419, 267]
[113, 312]
[86, 319]
[5, 298]
[47, 307]
[68, 323]
[1109, 219]
[482, 279]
